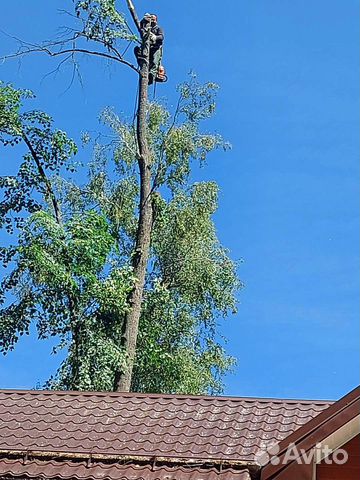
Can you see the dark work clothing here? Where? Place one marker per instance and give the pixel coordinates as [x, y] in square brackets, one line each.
[155, 49]
[156, 30]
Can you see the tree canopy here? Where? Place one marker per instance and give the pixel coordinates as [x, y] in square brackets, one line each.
[73, 243]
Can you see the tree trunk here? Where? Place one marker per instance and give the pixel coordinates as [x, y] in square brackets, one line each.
[123, 376]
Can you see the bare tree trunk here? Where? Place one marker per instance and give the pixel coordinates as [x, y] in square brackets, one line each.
[133, 13]
[143, 236]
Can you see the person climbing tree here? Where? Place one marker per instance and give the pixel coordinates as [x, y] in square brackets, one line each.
[150, 26]
[156, 50]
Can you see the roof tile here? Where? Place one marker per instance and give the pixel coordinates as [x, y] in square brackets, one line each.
[132, 425]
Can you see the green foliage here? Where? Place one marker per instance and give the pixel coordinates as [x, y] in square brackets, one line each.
[72, 278]
[64, 283]
[49, 150]
[102, 22]
[191, 283]
[10, 103]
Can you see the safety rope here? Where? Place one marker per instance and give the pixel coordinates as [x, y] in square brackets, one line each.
[136, 104]
[135, 113]
[154, 90]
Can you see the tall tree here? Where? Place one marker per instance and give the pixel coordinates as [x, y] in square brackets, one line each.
[119, 253]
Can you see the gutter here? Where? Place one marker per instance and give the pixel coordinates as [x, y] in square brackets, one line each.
[89, 457]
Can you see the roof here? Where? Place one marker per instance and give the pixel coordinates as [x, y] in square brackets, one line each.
[138, 425]
[311, 434]
[123, 427]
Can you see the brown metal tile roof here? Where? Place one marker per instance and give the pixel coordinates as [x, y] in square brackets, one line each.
[114, 424]
[67, 470]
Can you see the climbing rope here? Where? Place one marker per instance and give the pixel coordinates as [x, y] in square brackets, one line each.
[154, 91]
[136, 104]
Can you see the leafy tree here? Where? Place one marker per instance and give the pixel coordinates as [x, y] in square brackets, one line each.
[126, 270]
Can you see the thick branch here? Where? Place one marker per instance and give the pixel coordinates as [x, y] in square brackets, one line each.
[134, 14]
[48, 186]
[45, 49]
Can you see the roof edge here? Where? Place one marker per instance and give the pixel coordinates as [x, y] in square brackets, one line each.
[195, 461]
[86, 393]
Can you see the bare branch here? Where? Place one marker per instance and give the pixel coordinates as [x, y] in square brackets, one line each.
[75, 71]
[46, 49]
[66, 45]
[66, 12]
[57, 69]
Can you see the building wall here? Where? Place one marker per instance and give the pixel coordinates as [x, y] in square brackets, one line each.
[348, 471]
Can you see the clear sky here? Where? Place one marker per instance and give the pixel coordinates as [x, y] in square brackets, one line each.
[289, 103]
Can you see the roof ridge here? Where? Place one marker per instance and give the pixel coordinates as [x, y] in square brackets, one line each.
[166, 396]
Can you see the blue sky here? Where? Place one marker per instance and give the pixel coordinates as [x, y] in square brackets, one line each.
[289, 103]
